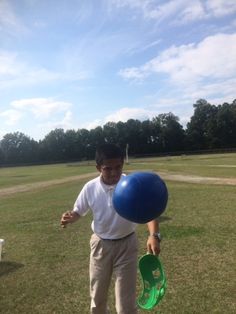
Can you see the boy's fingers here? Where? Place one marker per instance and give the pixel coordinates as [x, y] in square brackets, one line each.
[68, 214]
[65, 218]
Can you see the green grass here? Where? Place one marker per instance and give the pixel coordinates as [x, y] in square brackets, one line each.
[215, 165]
[45, 268]
[11, 176]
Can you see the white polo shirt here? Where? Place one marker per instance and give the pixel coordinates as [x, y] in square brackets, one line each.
[107, 224]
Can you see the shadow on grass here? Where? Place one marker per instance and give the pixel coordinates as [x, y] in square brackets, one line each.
[163, 218]
[9, 267]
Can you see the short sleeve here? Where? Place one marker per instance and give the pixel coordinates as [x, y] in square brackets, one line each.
[81, 205]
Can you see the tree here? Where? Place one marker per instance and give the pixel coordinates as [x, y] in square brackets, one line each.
[133, 131]
[122, 135]
[156, 137]
[210, 127]
[110, 132]
[96, 137]
[83, 136]
[2, 157]
[169, 134]
[226, 125]
[19, 148]
[53, 146]
[71, 148]
[146, 137]
[200, 129]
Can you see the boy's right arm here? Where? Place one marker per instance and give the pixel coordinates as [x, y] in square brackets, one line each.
[69, 217]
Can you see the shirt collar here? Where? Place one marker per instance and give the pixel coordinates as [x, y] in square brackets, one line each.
[107, 187]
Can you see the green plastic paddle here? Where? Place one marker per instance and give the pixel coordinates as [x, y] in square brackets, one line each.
[154, 281]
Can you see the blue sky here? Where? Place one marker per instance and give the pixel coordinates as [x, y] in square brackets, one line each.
[76, 64]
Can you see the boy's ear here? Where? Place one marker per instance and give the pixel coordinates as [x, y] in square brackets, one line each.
[98, 168]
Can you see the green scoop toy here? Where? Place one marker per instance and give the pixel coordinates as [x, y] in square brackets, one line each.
[154, 281]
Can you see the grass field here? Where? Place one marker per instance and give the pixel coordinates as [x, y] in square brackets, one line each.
[45, 268]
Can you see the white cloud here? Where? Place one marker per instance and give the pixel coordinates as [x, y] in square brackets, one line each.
[12, 72]
[204, 70]
[213, 58]
[17, 73]
[10, 23]
[92, 125]
[42, 108]
[122, 115]
[165, 11]
[39, 115]
[162, 105]
[221, 7]
[179, 10]
[11, 117]
[8, 65]
[215, 92]
[125, 114]
[150, 9]
[65, 122]
[133, 73]
[193, 11]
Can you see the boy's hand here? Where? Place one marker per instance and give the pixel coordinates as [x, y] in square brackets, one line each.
[68, 217]
[153, 246]
[65, 219]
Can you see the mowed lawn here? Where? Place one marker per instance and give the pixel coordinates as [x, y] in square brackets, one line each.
[45, 268]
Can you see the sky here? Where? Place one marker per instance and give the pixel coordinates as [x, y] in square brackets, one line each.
[76, 64]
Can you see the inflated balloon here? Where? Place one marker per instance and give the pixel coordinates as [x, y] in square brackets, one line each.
[140, 197]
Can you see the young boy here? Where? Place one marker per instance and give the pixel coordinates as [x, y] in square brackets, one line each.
[113, 243]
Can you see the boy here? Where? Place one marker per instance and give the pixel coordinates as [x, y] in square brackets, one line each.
[113, 243]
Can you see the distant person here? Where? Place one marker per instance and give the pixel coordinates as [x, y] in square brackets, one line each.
[114, 246]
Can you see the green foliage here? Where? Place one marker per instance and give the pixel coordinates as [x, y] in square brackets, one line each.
[17, 147]
[210, 127]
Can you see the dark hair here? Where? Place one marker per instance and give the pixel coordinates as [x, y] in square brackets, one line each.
[108, 151]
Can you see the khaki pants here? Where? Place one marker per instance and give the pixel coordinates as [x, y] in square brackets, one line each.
[113, 257]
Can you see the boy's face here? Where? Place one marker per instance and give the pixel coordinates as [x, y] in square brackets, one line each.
[111, 170]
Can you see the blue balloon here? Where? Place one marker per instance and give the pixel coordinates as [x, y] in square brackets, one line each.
[140, 197]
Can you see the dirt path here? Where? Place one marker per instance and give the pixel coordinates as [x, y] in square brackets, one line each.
[44, 184]
[164, 176]
[197, 179]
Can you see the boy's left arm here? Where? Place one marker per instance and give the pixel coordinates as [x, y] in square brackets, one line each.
[153, 242]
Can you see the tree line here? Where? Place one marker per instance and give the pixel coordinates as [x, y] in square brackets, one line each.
[210, 127]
